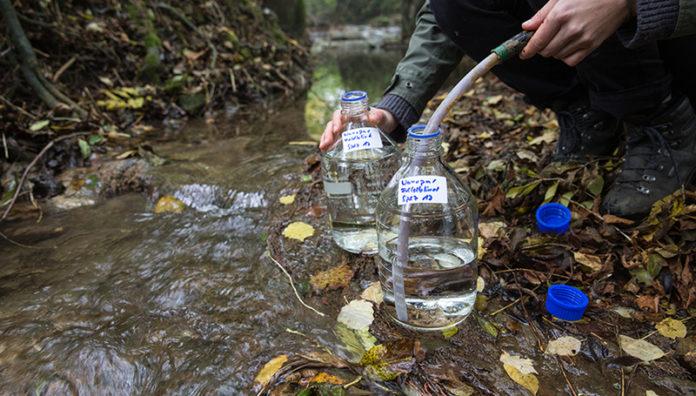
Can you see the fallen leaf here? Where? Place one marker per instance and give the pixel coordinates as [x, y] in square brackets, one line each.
[624, 312]
[592, 262]
[549, 136]
[496, 166]
[326, 378]
[494, 100]
[373, 293]
[671, 328]
[650, 393]
[298, 230]
[169, 204]
[450, 332]
[487, 326]
[527, 155]
[269, 369]
[356, 342]
[611, 219]
[564, 346]
[650, 303]
[551, 192]
[640, 349]
[357, 315]
[333, 278]
[39, 125]
[480, 284]
[490, 230]
[522, 191]
[85, 149]
[525, 366]
[528, 381]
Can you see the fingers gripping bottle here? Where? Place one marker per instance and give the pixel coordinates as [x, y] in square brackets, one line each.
[355, 171]
[428, 233]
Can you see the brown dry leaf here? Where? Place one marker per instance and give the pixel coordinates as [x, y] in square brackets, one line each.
[269, 369]
[611, 219]
[169, 204]
[671, 328]
[489, 230]
[373, 293]
[525, 366]
[495, 204]
[592, 262]
[333, 278]
[651, 303]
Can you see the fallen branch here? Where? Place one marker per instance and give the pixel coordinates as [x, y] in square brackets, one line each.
[31, 165]
[292, 283]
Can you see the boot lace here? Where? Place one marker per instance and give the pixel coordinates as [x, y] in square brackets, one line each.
[654, 149]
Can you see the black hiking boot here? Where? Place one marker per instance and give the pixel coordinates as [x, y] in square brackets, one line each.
[585, 133]
[660, 158]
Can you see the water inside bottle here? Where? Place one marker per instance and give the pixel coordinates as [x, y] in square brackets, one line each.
[439, 280]
[353, 183]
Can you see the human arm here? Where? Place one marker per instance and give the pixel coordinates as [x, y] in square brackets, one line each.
[570, 30]
[430, 58]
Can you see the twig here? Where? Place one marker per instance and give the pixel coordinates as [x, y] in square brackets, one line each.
[570, 384]
[19, 109]
[31, 165]
[292, 283]
[4, 144]
[623, 382]
[5, 237]
[351, 383]
[63, 68]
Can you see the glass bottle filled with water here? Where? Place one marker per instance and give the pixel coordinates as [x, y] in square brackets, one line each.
[427, 223]
[355, 171]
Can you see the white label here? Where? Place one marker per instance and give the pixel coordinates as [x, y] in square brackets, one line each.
[338, 188]
[361, 139]
[422, 189]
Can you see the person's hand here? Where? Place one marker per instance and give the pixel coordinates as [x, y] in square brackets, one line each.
[570, 30]
[382, 119]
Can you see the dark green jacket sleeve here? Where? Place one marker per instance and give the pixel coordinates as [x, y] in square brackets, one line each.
[430, 58]
[659, 20]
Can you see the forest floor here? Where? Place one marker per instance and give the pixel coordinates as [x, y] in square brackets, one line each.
[637, 336]
[132, 68]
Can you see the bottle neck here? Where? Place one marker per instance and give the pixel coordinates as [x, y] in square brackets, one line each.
[355, 111]
[429, 149]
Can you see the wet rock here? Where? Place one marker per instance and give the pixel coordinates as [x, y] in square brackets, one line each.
[120, 177]
[45, 186]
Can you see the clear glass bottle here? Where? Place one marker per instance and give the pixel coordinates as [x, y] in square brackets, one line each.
[430, 283]
[355, 171]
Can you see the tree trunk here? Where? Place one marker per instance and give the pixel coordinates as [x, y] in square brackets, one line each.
[409, 11]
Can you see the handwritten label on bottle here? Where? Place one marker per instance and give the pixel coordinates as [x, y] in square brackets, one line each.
[422, 189]
[361, 139]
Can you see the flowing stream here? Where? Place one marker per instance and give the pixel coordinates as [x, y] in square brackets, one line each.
[113, 299]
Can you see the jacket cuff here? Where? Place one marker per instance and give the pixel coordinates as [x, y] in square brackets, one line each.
[402, 111]
[655, 20]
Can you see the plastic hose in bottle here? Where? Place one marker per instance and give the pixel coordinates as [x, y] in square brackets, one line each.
[500, 54]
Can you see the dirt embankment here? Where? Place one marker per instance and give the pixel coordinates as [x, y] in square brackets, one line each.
[110, 70]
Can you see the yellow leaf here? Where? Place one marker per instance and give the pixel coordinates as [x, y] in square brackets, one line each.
[299, 231]
[325, 378]
[481, 251]
[287, 199]
[588, 260]
[671, 328]
[333, 278]
[640, 349]
[528, 381]
[480, 284]
[269, 369]
[450, 332]
[169, 204]
[524, 366]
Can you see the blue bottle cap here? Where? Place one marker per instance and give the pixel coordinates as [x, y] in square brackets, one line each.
[553, 218]
[354, 96]
[566, 302]
[416, 132]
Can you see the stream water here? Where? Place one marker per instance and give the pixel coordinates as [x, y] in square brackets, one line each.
[113, 299]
